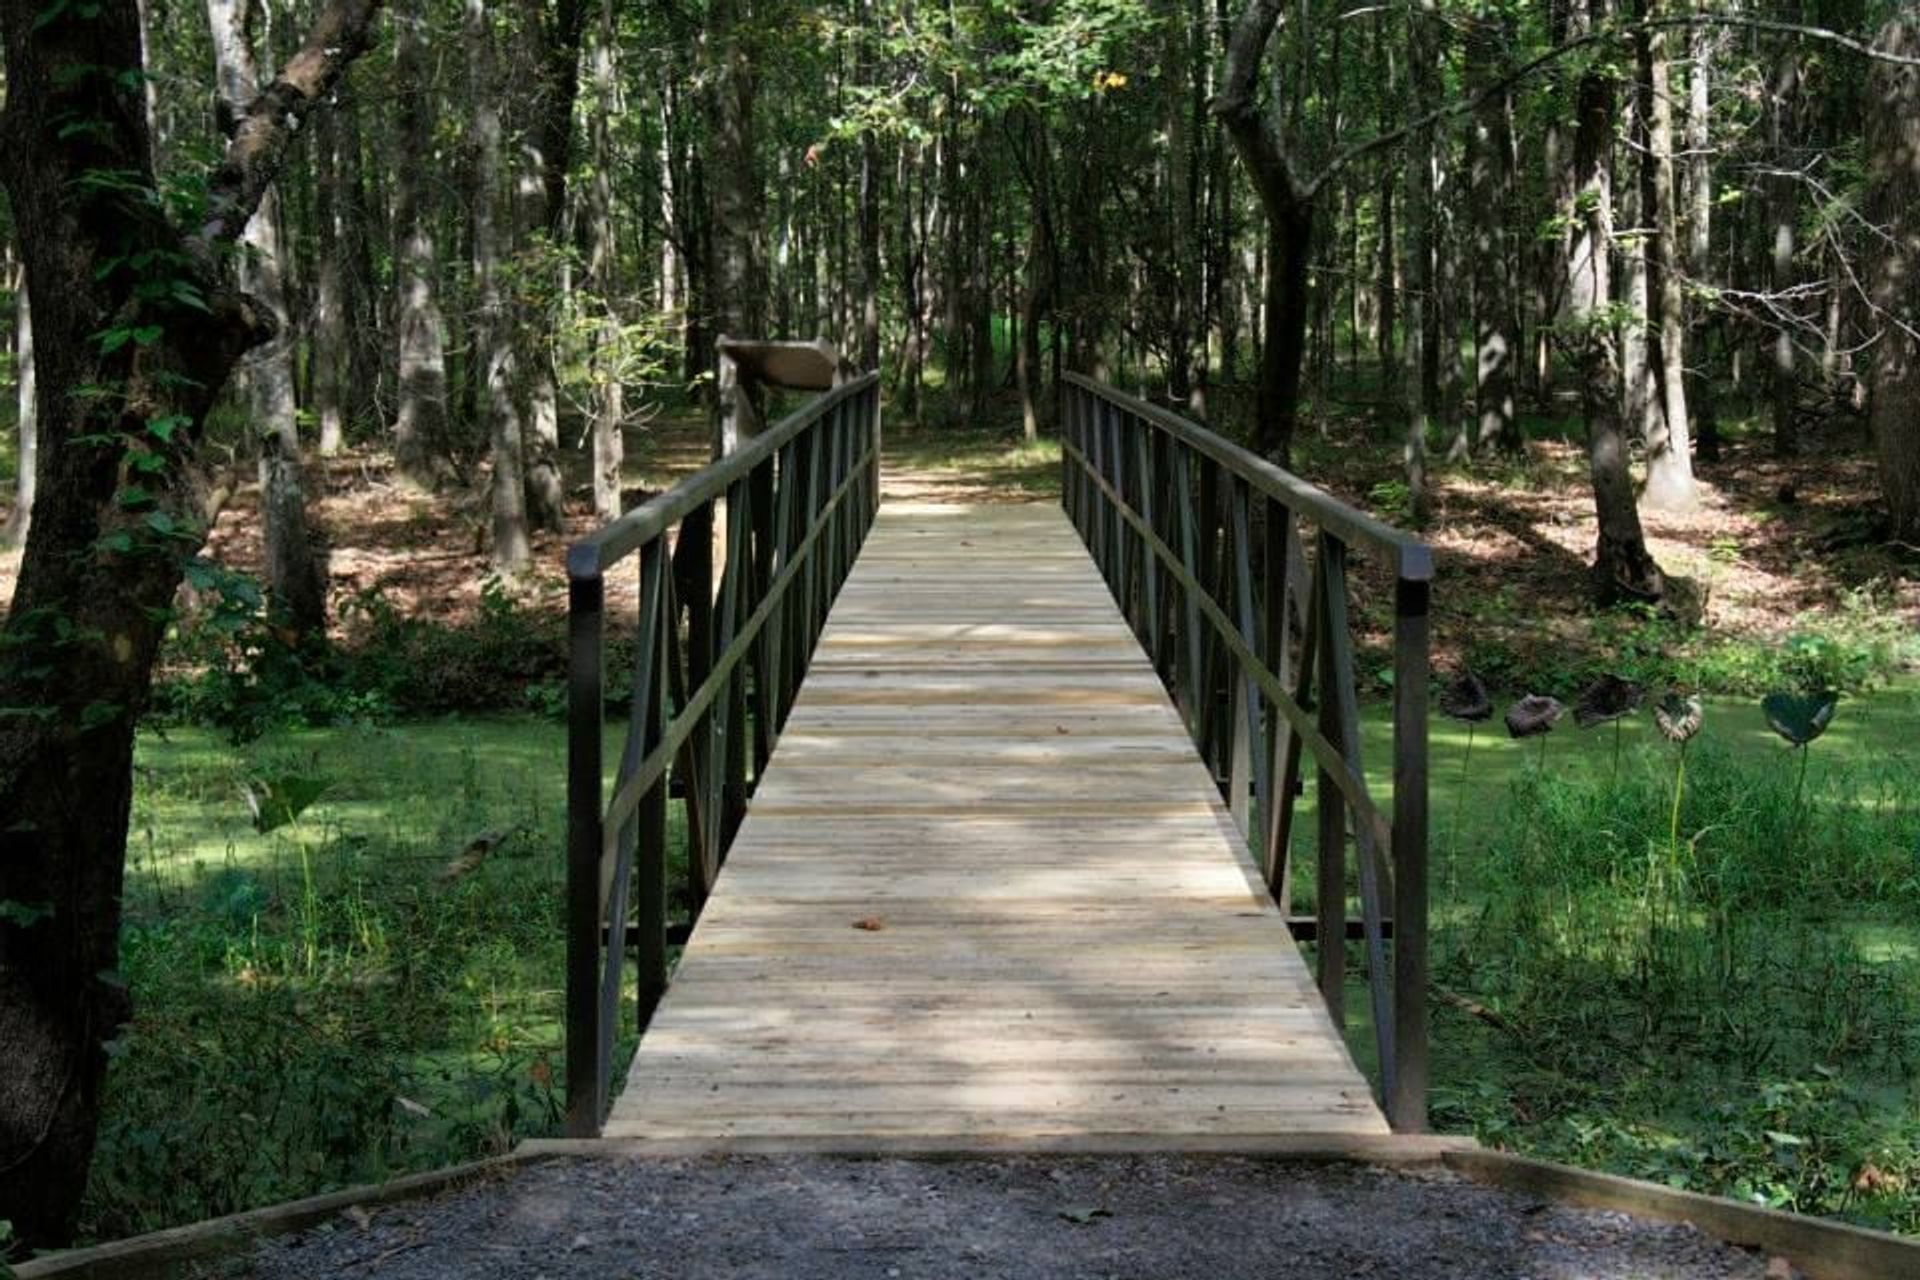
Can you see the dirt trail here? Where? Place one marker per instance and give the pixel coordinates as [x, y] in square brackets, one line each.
[815, 1218]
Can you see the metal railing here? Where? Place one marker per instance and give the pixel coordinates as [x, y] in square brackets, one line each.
[717, 664]
[1245, 615]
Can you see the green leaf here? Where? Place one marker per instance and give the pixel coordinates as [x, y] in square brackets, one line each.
[148, 334]
[277, 801]
[95, 714]
[1799, 718]
[112, 340]
[167, 425]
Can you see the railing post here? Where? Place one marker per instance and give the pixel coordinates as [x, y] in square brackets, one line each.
[586, 1087]
[1407, 1102]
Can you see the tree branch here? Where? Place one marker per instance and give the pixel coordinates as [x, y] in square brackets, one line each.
[1237, 106]
[262, 134]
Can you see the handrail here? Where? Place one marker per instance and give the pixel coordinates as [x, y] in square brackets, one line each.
[1407, 555]
[718, 661]
[1201, 543]
[600, 550]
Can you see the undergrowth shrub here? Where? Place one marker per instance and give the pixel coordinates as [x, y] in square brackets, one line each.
[1858, 644]
[242, 672]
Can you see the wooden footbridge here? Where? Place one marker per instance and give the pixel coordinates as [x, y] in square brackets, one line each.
[975, 821]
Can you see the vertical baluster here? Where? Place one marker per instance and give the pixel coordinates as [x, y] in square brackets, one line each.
[1330, 875]
[1209, 686]
[760, 524]
[778, 618]
[1287, 785]
[1103, 469]
[1149, 562]
[1250, 696]
[1407, 1093]
[1190, 561]
[693, 583]
[586, 1086]
[871, 397]
[816, 551]
[726, 718]
[1368, 856]
[650, 718]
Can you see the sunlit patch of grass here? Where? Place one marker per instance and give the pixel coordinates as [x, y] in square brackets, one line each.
[988, 463]
[390, 1013]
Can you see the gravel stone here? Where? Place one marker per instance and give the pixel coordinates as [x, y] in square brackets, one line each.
[1018, 1218]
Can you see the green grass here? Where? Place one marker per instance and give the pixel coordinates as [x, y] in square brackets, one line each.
[327, 1003]
[1736, 1012]
[983, 459]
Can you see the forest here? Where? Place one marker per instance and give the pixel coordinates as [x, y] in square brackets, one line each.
[333, 322]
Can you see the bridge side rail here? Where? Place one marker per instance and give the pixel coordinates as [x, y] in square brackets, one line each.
[724, 631]
[1234, 575]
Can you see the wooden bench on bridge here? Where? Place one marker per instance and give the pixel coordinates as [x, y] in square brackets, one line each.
[987, 808]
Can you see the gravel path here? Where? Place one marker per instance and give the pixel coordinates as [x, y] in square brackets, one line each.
[814, 1218]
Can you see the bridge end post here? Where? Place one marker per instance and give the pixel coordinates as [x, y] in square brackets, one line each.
[1407, 1099]
[586, 1075]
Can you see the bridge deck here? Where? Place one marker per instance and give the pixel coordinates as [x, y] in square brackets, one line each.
[986, 891]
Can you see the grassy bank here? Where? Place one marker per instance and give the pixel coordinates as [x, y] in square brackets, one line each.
[370, 987]
[1723, 996]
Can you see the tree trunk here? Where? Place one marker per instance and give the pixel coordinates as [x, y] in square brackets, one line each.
[609, 449]
[1289, 209]
[1783, 189]
[329, 353]
[1700, 399]
[869, 210]
[20, 519]
[1669, 484]
[295, 576]
[105, 555]
[558, 40]
[1893, 203]
[494, 343]
[421, 431]
[1623, 570]
[736, 274]
[1489, 194]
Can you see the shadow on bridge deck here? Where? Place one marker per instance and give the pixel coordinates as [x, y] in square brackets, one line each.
[987, 892]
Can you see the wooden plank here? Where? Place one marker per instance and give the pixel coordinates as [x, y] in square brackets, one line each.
[1066, 938]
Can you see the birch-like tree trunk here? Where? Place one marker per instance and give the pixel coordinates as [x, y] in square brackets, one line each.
[294, 573]
[495, 348]
[1623, 569]
[609, 410]
[1893, 202]
[1489, 194]
[1700, 398]
[421, 428]
[1669, 484]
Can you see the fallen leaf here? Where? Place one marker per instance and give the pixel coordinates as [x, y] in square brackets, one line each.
[357, 1216]
[1084, 1213]
[872, 924]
